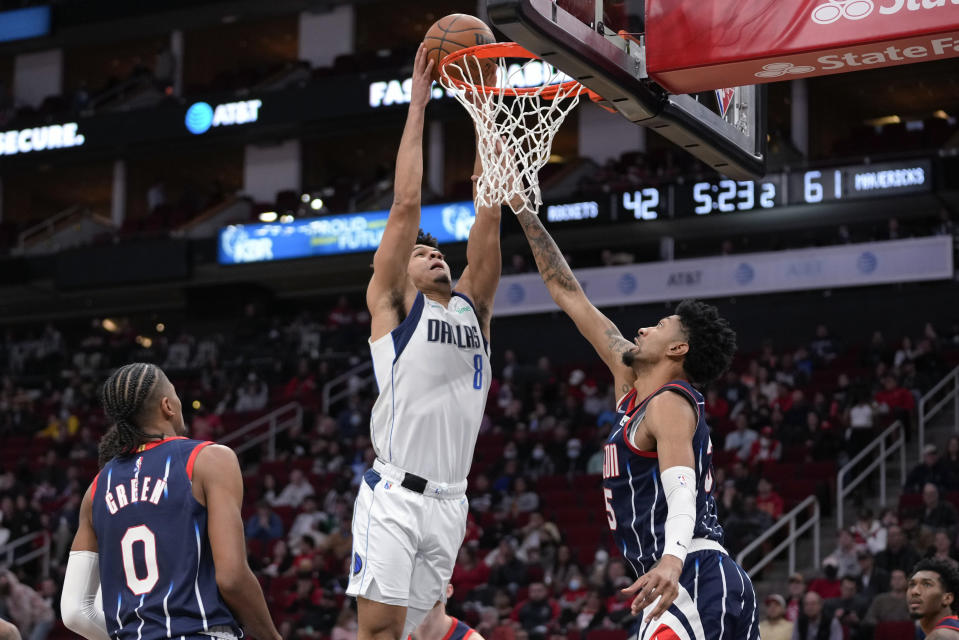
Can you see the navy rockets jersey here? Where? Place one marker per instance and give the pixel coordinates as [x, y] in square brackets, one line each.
[458, 630]
[156, 567]
[635, 502]
[949, 622]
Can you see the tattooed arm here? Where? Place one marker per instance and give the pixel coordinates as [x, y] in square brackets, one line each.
[568, 294]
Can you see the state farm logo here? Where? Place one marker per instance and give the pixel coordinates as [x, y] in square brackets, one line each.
[835, 9]
[780, 69]
[832, 10]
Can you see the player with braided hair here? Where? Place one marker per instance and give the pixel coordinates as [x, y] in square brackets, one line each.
[123, 397]
[160, 531]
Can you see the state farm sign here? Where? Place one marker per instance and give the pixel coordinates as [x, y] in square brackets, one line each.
[695, 46]
[858, 9]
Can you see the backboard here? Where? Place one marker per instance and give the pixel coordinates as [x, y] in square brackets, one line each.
[604, 48]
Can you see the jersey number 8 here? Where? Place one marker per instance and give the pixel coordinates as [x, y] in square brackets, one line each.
[477, 371]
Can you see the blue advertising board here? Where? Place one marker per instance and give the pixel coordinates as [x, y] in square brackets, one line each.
[21, 24]
[334, 235]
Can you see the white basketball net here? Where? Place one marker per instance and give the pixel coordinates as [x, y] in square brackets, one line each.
[514, 133]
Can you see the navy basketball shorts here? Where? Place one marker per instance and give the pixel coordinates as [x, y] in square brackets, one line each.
[716, 601]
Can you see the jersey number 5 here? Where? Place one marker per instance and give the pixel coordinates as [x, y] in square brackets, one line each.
[136, 584]
[610, 514]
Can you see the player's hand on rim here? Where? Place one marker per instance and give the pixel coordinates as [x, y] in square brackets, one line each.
[421, 89]
[662, 581]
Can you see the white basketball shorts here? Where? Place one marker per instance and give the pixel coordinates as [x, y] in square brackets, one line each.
[405, 542]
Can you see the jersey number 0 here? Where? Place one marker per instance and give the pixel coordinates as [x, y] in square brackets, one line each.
[140, 533]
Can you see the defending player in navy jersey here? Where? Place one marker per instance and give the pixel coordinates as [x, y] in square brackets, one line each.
[656, 476]
[160, 531]
[439, 625]
[931, 596]
[430, 349]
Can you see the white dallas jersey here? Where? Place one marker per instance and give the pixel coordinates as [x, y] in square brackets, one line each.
[433, 373]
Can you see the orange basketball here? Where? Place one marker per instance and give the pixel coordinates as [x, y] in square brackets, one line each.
[454, 32]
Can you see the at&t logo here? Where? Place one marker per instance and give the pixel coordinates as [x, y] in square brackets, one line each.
[201, 116]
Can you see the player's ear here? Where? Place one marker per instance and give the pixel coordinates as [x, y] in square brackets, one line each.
[948, 598]
[166, 406]
[678, 349]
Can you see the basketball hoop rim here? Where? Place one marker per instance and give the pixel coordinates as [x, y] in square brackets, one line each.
[508, 50]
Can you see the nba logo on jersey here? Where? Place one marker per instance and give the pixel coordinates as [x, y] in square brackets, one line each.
[139, 464]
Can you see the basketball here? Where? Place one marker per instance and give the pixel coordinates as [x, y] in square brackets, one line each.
[454, 32]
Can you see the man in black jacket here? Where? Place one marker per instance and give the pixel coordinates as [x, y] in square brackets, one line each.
[898, 553]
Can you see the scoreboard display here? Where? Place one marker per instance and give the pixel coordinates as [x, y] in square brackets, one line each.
[861, 181]
[811, 187]
[729, 196]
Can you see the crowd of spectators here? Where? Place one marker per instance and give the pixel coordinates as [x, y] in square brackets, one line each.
[862, 583]
[529, 565]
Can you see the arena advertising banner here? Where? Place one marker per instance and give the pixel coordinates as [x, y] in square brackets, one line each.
[48, 137]
[700, 45]
[335, 235]
[853, 265]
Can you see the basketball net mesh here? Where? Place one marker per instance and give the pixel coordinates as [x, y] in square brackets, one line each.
[514, 133]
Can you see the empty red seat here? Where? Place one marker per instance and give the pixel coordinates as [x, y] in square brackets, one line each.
[606, 634]
[904, 630]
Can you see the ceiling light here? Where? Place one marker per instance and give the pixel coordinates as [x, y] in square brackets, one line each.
[305, 198]
[316, 204]
[268, 216]
[878, 122]
[286, 218]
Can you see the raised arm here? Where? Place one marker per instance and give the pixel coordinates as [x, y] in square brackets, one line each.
[606, 339]
[484, 261]
[386, 293]
[217, 480]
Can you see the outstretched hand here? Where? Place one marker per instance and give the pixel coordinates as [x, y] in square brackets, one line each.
[662, 581]
[421, 90]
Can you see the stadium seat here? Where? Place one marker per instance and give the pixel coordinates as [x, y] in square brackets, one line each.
[904, 630]
[607, 634]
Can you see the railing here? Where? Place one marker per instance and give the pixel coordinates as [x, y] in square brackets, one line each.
[208, 223]
[278, 421]
[843, 488]
[927, 414]
[121, 90]
[10, 559]
[48, 226]
[790, 519]
[342, 384]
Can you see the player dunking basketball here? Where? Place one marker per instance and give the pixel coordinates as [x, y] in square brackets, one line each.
[430, 347]
[931, 595]
[160, 531]
[656, 475]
